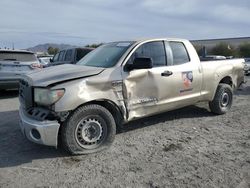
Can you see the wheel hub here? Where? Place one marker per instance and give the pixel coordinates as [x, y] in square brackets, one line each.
[225, 99]
[89, 132]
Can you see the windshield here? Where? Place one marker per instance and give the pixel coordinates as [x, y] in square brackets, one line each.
[17, 56]
[106, 55]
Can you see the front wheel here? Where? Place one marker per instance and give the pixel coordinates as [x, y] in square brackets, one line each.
[89, 129]
[223, 99]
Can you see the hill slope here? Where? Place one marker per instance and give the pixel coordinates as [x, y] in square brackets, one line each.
[44, 47]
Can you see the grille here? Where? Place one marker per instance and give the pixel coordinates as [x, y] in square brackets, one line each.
[25, 95]
[39, 114]
[26, 100]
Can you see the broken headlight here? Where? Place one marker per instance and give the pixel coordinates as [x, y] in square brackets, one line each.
[46, 97]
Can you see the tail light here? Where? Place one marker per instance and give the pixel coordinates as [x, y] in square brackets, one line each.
[36, 66]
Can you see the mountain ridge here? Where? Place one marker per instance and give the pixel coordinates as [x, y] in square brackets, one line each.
[44, 47]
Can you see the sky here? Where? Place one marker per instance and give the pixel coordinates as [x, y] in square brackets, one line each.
[26, 23]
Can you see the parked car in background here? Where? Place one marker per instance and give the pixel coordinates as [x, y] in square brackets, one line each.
[247, 66]
[69, 56]
[13, 64]
[44, 60]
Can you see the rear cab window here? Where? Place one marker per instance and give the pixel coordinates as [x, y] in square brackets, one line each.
[178, 52]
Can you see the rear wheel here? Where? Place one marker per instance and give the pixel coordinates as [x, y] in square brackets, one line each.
[223, 99]
[89, 129]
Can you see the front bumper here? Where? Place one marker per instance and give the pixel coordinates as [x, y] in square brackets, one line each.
[40, 132]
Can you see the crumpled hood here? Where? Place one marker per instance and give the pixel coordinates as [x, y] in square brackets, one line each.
[52, 75]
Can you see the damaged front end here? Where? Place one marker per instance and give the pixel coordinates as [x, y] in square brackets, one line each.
[40, 124]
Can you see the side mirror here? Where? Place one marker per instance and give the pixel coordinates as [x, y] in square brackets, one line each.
[50, 60]
[142, 63]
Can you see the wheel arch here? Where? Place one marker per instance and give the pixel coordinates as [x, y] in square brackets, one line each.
[226, 80]
[113, 108]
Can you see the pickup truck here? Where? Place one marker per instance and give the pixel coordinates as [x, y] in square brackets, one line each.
[69, 56]
[84, 104]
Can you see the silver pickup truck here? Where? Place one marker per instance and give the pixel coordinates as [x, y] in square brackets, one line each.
[83, 104]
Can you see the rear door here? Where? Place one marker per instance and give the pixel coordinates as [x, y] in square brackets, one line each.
[183, 76]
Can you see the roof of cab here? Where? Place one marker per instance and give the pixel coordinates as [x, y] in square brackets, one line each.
[153, 39]
[139, 40]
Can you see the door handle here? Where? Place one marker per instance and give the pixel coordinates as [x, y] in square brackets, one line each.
[166, 73]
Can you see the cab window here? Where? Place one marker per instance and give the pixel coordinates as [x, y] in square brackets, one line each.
[55, 58]
[61, 55]
[180, 54]
[68, 55]
[153, 50]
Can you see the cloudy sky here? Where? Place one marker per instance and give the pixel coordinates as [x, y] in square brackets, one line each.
[30, 22]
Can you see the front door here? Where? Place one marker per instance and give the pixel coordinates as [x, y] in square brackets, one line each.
[164, 87]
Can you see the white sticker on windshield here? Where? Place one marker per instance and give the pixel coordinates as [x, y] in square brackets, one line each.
[123, 44]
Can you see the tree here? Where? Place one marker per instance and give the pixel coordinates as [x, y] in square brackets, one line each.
[224, 49]
[201, 50]
[244, 50]
[52, 50]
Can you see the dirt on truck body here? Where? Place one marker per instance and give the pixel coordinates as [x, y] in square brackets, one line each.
[117, 83]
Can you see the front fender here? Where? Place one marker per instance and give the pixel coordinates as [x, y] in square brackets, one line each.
[84, 91]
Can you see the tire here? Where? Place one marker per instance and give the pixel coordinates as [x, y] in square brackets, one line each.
[2, 91]
[88, 129]
[223, 99]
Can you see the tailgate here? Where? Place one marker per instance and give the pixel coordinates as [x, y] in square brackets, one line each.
[14, 61]
[15, 67]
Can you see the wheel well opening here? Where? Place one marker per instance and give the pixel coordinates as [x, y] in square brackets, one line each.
[227, 80]
[112, 108]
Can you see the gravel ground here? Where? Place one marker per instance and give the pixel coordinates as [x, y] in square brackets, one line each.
[189, 147]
